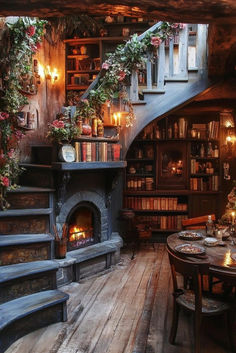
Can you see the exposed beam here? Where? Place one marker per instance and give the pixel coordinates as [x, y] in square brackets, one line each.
[191, 11]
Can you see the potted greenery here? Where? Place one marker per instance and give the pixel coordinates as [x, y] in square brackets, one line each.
[62, 131]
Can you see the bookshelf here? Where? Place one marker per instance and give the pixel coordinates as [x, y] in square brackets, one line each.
[173, 172]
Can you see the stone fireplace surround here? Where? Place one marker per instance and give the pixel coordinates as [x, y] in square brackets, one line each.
[93, 189]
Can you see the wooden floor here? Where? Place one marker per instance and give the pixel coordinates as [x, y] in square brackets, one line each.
[127, 310]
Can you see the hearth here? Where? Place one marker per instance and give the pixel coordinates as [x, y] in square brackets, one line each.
[84, 226]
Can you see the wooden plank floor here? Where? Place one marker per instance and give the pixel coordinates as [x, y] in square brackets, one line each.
[127, 310]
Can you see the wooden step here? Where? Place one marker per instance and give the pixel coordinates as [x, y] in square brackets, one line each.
[25, 248]
[27, 278]
[23, 315]
[25, 221]
[30, 197]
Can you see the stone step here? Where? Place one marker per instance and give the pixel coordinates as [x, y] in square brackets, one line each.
[26, 221]
[24, 315]
[30, 198]
[27, 278]
[20, 248]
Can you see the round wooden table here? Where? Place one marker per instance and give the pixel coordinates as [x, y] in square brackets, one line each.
[219, 257]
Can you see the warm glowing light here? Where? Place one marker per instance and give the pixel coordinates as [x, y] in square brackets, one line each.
[51, 75]
[227, 258]
[118, 116]
[40, 70]
[229, 139]
[233, 216]
[115, 119]
[228, 124]
[54, 75]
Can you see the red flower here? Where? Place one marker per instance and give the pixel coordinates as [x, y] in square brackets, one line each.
[122, 75]
[30, 31]
[5, 181]
[156, 41]
[38, 45]
[4, 116]
[58, 124]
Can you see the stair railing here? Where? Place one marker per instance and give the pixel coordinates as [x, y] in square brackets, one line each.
[172, 62]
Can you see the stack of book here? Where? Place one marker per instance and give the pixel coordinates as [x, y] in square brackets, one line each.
[210, 183]
[97, 152]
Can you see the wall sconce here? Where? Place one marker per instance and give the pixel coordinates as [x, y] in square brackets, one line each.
[51, 75]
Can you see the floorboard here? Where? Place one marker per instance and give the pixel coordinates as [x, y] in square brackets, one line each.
[127, 310]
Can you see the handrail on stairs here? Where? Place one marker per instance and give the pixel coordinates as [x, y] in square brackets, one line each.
[173, 60]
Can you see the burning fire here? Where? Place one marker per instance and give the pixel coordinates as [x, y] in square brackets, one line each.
[78, 233]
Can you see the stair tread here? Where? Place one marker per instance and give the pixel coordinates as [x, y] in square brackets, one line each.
[10, 272]
[21, 307]
[89, 252]
[6, 240]
[28, 189]
[25, 212]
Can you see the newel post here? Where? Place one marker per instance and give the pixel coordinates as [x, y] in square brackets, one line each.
[161, 67]
[201, 47]
[149, 71]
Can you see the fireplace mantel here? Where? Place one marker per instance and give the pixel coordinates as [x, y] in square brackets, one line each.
[77, 166]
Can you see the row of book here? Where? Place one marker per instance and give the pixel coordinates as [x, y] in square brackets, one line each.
[97, 151]
[155, 203]
[140, 183]
[213, 130]
[200, 167]
[210, 183]
[163, 222]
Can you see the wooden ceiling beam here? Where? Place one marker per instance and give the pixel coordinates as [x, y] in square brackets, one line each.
[189, 11]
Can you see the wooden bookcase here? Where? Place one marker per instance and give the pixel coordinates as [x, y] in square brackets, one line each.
[169, 177]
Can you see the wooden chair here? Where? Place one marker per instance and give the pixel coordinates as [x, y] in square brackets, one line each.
[194, 301]
[196, 222]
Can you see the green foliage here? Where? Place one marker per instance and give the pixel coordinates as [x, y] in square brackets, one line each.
[23, 38]
[128, 57]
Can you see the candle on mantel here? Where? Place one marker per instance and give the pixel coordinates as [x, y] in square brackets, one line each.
[118, 118]
[232, 217]
[115, 119]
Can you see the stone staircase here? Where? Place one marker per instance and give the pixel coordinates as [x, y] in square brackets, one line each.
[28, 296]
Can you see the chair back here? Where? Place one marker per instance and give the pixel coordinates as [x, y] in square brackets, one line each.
[196, 222]
[195, 270]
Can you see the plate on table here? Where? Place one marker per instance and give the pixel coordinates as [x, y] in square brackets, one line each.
[190, 249]
[188, 235]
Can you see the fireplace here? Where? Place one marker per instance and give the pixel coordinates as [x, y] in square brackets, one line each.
[84, 226]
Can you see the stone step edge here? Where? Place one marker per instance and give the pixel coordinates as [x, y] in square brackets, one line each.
[21, 270]
[22, 307]
[26, 212]
[19, 239]
[91, 252]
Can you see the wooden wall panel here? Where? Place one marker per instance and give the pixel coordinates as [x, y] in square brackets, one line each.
[49, 99]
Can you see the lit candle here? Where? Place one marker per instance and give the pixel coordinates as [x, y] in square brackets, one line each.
[233, 216]
[115, 119]
[118, 115]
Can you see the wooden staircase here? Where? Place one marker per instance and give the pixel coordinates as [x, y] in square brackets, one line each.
[28, 296]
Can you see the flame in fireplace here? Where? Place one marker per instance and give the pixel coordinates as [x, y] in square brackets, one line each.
[79, 233]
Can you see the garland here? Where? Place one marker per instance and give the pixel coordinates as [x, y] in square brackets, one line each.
[22, 40]
[120, 64]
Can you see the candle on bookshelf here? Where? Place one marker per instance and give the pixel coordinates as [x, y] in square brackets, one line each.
[118, 118]
[115, 119]
[233, 217]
